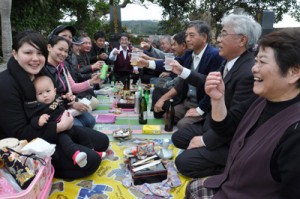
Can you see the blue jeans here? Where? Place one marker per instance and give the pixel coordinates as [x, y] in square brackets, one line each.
[85, 119]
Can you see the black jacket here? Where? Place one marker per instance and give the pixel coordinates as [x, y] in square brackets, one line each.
[17, 96]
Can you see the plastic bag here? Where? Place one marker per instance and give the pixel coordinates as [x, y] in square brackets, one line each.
[39, 147]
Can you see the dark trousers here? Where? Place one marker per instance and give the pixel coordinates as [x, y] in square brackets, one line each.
[147, 74]
[157, 93]
[198, 162]
[69, 140]
[64, 166]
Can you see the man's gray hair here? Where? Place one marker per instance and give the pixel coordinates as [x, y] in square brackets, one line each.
[167, 38]
[201, 27]
[245, 25]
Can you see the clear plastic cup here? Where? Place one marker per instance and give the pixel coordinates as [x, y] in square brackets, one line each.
[134, 58]
[169, 57]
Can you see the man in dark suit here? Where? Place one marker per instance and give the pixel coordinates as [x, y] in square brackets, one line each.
[205, 152]
[203, 58]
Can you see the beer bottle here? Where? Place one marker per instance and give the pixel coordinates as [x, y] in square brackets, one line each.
[126, 89]
[143, 110]
[169, 117]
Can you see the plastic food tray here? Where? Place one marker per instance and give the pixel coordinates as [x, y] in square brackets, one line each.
[39, 188]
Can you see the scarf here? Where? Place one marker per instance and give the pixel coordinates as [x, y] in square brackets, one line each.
[22, 78]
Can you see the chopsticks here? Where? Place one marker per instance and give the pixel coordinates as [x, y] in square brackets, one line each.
[146, 165]
[144, 161]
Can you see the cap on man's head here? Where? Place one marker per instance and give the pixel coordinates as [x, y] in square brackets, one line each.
[61, 28]
[77, 41]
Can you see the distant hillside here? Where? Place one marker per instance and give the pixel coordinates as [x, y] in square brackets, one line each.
[143, 27]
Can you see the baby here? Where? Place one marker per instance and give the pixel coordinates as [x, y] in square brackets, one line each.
[51, 108]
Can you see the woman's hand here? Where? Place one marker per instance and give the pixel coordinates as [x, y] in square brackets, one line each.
[65, 123]
[214, 86]
[70, 97]
[95, 79]
[97, 66]
[79, 106]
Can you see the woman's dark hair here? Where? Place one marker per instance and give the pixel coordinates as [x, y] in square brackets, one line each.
[286, 46]
[33, 38]
[54, 39]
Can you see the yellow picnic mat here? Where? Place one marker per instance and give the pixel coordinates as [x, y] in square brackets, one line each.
[106, 182]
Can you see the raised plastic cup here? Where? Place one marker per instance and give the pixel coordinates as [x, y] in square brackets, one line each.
[134, 58]
[169, 57]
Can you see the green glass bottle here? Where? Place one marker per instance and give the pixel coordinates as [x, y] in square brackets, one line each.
[143, 110]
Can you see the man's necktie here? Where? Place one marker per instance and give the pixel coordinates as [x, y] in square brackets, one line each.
[196, 61]
[225, 71]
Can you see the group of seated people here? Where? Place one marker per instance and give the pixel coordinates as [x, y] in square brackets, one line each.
[235, 104]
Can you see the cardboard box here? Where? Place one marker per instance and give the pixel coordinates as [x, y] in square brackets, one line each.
[151, 129]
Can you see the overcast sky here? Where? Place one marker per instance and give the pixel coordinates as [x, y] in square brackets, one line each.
[136, 12]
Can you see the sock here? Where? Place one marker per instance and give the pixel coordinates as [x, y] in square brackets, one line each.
[80, 158]
[101, 154]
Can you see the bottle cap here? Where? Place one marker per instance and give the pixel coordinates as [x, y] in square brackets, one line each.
[166, 143]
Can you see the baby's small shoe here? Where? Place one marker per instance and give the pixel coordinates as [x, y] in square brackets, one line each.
[102, 154]
[80, 158]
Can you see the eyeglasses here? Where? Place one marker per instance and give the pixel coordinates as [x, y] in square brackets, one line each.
[224, 34]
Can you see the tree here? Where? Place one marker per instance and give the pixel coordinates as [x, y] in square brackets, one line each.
[175, 15]
[253, 7]
[6, 36]
[177, 12]
[43, 16]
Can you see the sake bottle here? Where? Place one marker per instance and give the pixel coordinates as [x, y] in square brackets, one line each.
[169, 117]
